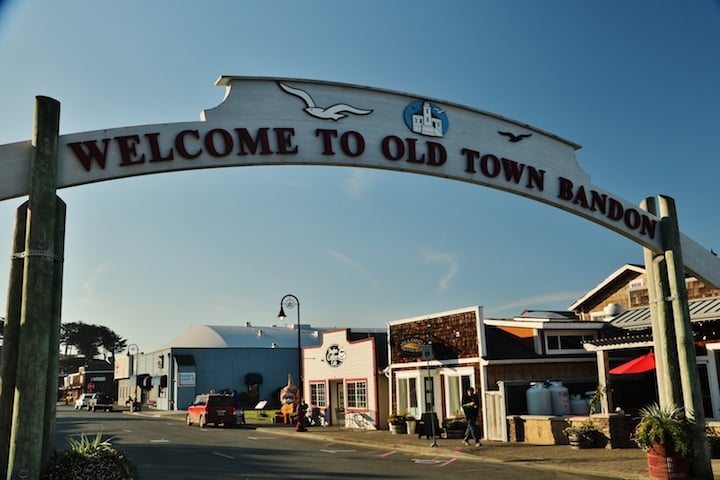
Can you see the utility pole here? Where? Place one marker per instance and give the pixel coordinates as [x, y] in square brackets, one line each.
[675, 359]
[33, 403]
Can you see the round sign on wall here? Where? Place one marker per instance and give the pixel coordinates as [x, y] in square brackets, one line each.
[335, 355]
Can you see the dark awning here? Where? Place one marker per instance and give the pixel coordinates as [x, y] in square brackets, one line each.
[253, 379]
[159, 381]
[185, 360]
[139, 380]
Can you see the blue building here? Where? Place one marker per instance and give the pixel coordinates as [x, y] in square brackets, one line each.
[252, 360]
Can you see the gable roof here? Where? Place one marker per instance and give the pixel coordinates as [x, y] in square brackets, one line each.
[614, 281]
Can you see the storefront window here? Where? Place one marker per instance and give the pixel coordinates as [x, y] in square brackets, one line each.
[457, 385]
[356, 391]
[317, 394]
[567, 343]
[407, 396]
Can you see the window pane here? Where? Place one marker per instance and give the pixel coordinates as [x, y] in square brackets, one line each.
[317, 394]
[402, 395]
[357, 394]
[413, 393]
[454, 387]
[361, 393]
[350, 391]
[571, 342]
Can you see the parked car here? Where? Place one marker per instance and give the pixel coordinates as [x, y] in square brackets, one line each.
[83, 401]
[212, 408]
[101, 401]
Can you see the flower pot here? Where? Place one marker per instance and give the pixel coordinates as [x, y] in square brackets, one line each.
[666, 464]
[577, 441]
[410, 426]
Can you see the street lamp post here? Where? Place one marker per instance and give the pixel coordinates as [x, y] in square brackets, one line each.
[133, 353]
[291, 301]
[428, 353]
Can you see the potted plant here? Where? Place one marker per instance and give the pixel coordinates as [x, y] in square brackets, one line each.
[713, 442]
[584, 435]
[454, 427]
[396, 423]
[664, 435]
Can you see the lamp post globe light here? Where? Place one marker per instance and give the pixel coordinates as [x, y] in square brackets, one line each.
[290, 301]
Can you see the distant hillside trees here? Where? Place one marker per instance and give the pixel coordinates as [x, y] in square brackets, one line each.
[91, 340]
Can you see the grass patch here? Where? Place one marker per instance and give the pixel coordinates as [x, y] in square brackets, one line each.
[260, 416]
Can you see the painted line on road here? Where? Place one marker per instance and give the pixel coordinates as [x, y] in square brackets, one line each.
[447, 463]
[426, 461]
[391, 452]
[162, 440]
[325, 450]
[223, 455]
[261, 438]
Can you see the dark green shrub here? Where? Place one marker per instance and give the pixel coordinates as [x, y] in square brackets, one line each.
[90, 460]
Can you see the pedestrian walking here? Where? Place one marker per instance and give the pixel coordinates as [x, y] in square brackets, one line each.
[471, 406]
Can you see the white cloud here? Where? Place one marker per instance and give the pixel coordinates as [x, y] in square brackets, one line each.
[357, 182]
[538, 300]
[345, 260]
[90, 281]
[446, 259]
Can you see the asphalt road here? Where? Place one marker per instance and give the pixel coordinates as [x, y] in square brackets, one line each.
[166, 448]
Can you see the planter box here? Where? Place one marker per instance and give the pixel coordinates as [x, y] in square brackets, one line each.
[397, 429]
[545, 430]
[454, 433]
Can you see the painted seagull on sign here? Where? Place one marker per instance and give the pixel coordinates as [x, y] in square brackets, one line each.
[515, 138]
[334, 112]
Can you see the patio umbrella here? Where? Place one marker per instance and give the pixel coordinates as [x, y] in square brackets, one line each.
[641, 364]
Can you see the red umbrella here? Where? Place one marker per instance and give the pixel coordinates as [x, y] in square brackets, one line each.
[641, 364]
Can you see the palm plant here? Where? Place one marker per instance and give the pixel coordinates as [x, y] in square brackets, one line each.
[667, 427]
[90, 459]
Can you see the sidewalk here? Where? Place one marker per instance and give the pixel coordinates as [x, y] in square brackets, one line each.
[624, 463]
[619, 463]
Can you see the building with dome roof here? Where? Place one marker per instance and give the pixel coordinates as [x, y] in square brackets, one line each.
[253, 360]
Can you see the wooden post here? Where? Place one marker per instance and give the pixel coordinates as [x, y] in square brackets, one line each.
[663, 328]
[8, 361]
[701, 466]
[606, 400]
[26, 439]
[54, 337]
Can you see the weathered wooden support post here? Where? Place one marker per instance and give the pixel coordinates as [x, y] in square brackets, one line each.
[663, 327]
[29, 411]
[54, 337]
[701, 466]
[11, 335]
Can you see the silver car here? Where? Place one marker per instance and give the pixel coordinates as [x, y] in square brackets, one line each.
[83, 401]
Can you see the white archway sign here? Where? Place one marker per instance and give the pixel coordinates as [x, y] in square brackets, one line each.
[273, 121]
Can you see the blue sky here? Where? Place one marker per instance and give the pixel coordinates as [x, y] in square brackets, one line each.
[634, 83]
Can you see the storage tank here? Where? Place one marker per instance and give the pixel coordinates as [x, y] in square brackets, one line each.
[559, 398]
[538, 399]
[578, 405]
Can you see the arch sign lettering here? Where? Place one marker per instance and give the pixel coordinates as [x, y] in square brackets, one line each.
[272, 121]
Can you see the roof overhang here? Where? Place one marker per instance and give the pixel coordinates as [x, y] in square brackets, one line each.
[545, 324]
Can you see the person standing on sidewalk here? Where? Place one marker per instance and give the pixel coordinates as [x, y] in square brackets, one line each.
[471, 406]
